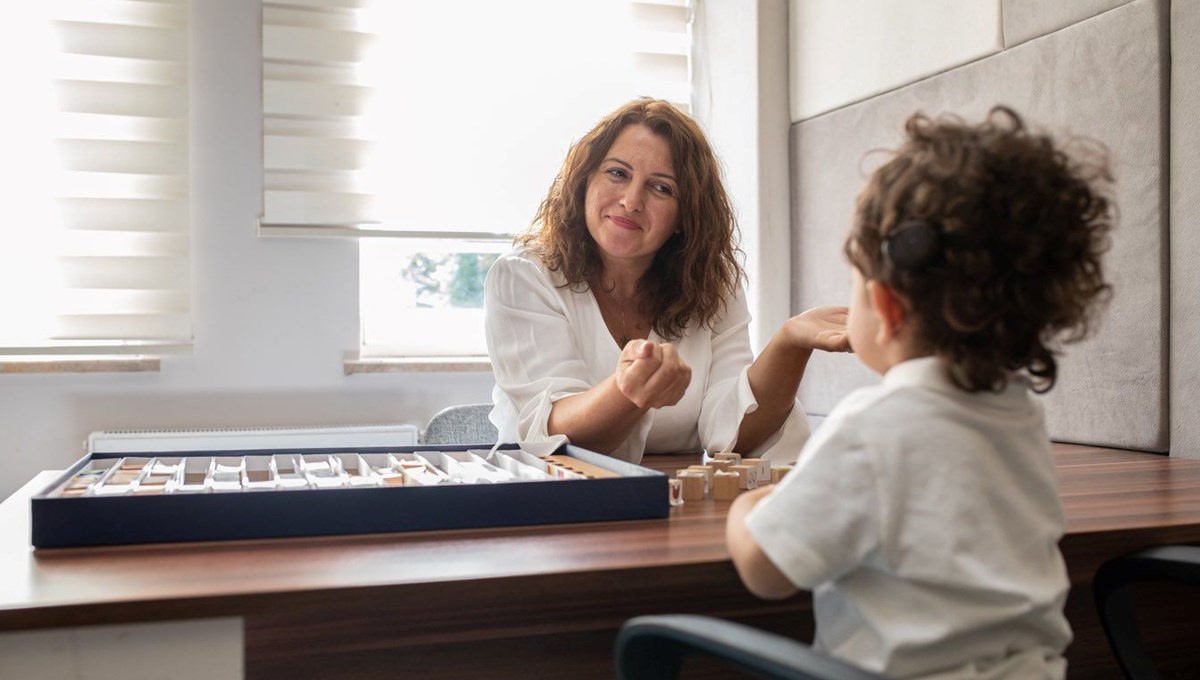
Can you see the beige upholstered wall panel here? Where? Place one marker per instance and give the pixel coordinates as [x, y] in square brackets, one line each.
[843, 51]
[1185, 229]
[1101, 77]
[1028, 19]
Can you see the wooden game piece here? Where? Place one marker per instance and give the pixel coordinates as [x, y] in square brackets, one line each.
[777, 473]
[746, 476]
[393, 479]
[675, 490]
[762, 469]
[708, 473]
[734, 458]
[586, 469]
[725, 485]
[693, 484]
[722, 465]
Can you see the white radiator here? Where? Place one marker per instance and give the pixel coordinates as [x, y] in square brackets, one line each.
[251, 439]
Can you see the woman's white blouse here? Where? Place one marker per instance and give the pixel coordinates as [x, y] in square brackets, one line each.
[548, 342]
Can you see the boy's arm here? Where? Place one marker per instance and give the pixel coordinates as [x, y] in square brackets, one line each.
[760, 575]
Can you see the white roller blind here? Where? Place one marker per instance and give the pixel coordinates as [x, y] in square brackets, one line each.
[94, 230]
[446, 119]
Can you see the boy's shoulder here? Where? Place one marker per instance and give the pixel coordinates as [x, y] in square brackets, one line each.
[917, 399]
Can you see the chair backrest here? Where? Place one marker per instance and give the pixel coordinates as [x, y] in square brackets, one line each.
[654, 648]
[1112, 589]
[464, 424]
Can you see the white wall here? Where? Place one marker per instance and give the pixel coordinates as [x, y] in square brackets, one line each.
[273, 317]
[741, 84]
[843, 51]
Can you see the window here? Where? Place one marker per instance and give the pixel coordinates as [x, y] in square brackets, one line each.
[432, 130]
[94, 239]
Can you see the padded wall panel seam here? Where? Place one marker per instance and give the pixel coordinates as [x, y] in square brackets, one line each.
[1185, 232]
[1024, 20]
[845, 51]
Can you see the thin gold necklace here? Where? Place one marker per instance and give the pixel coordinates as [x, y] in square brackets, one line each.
[624, 340]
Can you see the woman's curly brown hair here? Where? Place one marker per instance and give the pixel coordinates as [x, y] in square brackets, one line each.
[1023, 228]
[696, 270]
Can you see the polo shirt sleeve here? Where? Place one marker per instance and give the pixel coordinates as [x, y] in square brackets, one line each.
[534, 355]
[823, 519]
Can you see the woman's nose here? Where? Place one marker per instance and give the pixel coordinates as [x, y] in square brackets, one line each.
[632, 199]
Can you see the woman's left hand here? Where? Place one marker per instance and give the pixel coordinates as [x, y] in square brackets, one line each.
[822, 328]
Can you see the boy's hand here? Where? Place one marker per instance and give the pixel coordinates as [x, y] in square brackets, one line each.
[652, 375]
[822, 328]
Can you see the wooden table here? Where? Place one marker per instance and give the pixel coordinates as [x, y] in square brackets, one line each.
[517, 602]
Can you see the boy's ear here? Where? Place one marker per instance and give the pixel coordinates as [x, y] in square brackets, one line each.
[889, 307]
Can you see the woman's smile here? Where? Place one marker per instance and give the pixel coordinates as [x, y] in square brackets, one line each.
[624, 222]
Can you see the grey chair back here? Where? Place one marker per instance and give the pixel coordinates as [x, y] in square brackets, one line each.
[464, 424]
[655, 647]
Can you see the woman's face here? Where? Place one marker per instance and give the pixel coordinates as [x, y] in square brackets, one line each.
[632, 201]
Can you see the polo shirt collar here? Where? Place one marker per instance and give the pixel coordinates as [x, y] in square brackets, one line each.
[930, 372]
[920, 372]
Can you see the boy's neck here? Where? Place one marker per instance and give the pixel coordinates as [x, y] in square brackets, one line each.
[900, 350]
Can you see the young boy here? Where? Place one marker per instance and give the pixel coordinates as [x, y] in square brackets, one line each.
[924, 513]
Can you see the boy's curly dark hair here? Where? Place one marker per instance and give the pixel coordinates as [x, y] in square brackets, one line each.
[1023, 227]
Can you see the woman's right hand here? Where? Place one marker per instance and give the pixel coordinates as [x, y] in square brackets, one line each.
[652, 375]
[819, 328]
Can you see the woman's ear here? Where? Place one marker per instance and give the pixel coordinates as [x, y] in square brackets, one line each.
[889, 308]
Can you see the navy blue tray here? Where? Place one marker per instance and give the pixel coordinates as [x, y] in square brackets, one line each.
[638, 493]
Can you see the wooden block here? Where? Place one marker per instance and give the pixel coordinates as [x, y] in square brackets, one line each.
[735, 458]
[725, 485]
[585, 469]
[746, 476]
[675, 488]
[722, 465]
[693, 484]
[777, 473]
[762, 469]
[708, 473]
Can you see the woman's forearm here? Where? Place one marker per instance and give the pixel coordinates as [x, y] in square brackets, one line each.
[774, 378]
[599, 419]
[775, 375]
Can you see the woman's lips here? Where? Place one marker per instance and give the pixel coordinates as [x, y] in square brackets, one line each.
[624, 223]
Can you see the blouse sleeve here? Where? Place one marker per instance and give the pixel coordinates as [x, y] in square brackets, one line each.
[728, 396]
[533, 353]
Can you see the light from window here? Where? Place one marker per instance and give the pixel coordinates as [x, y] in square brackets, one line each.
[444, 121]
[29, 272]
[93, 241]
[424, 298]
[473, 108]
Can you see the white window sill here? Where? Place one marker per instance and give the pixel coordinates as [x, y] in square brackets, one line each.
[51, 364]
[473, 364]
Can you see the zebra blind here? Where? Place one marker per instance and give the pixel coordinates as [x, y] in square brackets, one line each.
[94, 255]
[446, 119]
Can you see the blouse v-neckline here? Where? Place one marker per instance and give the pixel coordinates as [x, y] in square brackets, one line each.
[651, 337]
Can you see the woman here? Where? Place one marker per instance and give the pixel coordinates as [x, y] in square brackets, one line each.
[620, 320]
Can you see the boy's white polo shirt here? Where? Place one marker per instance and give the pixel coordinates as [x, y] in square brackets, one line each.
[926, 521]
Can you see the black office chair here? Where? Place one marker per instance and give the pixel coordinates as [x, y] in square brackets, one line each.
[1179, 564]
[654, 648]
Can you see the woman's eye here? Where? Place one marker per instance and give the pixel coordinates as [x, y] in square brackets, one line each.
[618, 173]
[664, 189]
